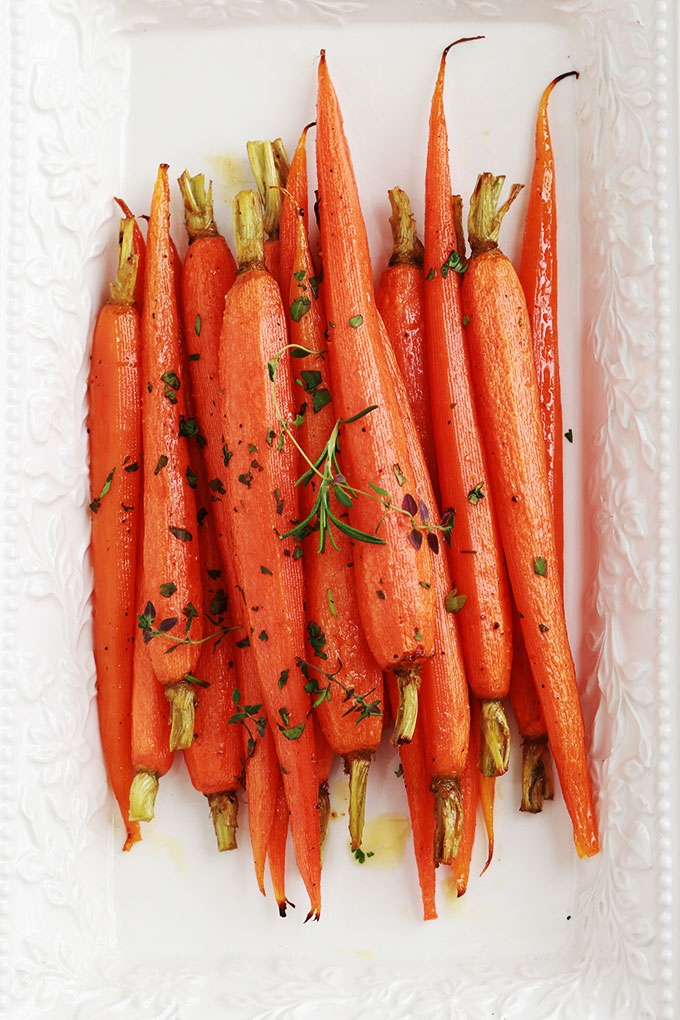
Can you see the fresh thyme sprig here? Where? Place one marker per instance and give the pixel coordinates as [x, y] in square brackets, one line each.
[360, 703]
[145, 622]
[326, 469]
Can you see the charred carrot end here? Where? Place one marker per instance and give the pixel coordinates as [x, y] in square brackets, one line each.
[408, 684]
[198, 206]
[224, 812]
[494, 748]
[182, 700]
[448, 818]
[537, 774]
[357, 767]
[143, 793]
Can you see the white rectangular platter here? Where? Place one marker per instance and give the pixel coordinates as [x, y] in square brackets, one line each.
[98, 93]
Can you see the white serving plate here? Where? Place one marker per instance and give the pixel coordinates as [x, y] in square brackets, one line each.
[97, 94]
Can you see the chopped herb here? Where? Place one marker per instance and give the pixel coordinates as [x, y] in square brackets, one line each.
[454, 262]
[197, 325]
[292, 732]
[243, 643]
[319, 399]
[226, 454]
[188, 427]
[181, 533]
[569, 436]
[246, 478]
[314, 284]
[300, 275]
[466, 319]
[271, 435]
[418, 635]
[106, 487]
[298, 552]
[540, 566]
[400, 771]
[474, 495]
[263, 636]
[201, 515]
[279, 501]
[317, 639]
[424, 584]
[362, 855]
[193, 357]
[356, 320]
[299, 307]
[266, 570]
[542, 627]
[218, 603]
[453, 603]
[380, 594]
[192, 478]
[431, 275]
[283, 678]
[216, 485]
[171, 379]
[399, 474]
[332, 608]
[162, 461]
[133, 467]
[214, 574]
[168, 589]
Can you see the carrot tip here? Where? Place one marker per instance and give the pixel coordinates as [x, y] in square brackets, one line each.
[313, 915]
[283, 905]
[134, 835]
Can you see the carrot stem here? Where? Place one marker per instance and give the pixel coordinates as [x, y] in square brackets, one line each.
[537, 774]
[224, 812]
[143, 793]
[448, 818]
[357, 767]
[494, 749]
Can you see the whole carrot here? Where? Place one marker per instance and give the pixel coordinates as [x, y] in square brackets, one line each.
[477, 568]
[114, 428]
[500, 344]
[538, 276]
[344, 678]
[398, 623]
[170, 561]
[261, 503]
[400, 298]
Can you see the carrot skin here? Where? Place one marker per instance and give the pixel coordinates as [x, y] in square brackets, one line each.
[399, 628]
[499, 338]
[170, 548]
[115, 436]
[470, 786]
[475, 552]
[278, 841]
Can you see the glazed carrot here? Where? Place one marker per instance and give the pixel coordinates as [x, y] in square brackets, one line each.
[344, 678]
[170, 563]
[324, 763]
[297, 186]
[114, 428]
[470, 789]
[476, 558]
[261, 501]
[487, 794]
[138, 248]
[151, 754]
[500, 345]
[269, 164]
[421, 808]
[399, 627]
[444, 691]
[400, 298]
[260, 764]
[538, 276]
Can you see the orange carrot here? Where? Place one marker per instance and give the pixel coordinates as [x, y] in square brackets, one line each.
[444, 690]
[470, 788]
[260, 767]
[277, 850]
[260, 502]
[477, 567]
[500, 344]
[400, 298]
[170, 562]
[114, 428]
[394, 579]
[538, 276]
[345, 681]
[298, 187]
[421, 808]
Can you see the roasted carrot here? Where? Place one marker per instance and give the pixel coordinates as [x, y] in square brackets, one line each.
[114, 426]
[444, 691]
[297, 185]
[170, 562]
[470, 789]
[400, 298]
[413, 759]
[344, 678]
[151, 754]
[500, 345]
[261, 502]
[276, 852]
[538, 276]
[476, 557]
[394, 579]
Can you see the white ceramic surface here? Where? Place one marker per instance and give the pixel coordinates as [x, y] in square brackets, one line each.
[96, 95]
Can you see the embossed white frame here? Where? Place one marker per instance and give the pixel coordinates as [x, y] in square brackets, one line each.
[63, 115]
